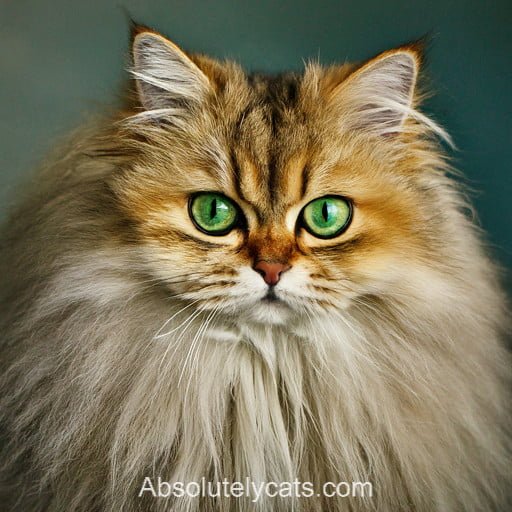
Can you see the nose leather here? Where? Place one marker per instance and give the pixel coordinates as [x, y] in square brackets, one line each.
[270, 271]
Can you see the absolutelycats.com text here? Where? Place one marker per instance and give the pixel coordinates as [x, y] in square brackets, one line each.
[160, 488]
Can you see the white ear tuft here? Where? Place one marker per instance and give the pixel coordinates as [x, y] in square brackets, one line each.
[166, 77]
[378, 97]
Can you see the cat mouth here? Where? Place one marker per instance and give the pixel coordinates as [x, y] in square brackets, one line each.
[270, 309]
[271, 297]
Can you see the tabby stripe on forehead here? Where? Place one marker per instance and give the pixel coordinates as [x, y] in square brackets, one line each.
[273, 177]
[305, 174]
[239, 122]
[237, 178]
[282, 93]
[274, 115]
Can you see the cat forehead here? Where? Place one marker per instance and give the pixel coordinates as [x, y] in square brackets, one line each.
[271, 142]
[272, 108]
[264, 141]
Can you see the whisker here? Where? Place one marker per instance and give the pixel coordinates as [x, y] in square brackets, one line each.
[195, 343]
[186, 323]
[159, 334]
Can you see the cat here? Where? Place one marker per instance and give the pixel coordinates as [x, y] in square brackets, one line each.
[238, 276]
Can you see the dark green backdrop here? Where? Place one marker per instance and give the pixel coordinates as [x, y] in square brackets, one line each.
[60, 58]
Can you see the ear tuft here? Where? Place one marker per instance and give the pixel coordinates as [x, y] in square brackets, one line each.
[379, 96]
[166, 77]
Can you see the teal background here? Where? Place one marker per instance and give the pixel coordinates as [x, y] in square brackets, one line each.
[61, 59]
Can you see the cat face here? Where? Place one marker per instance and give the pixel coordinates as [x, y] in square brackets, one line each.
[274, 198]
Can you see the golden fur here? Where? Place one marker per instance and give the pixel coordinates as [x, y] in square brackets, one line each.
[135, 345]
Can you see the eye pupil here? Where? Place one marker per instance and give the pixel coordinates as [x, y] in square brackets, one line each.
[325, 211]
[213, 208]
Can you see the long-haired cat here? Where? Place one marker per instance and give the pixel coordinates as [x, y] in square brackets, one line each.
[244, 276]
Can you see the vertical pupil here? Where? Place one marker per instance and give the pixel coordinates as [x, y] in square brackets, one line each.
[325, 211]
[213, 208]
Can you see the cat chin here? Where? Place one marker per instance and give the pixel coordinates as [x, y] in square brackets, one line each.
[270, 313]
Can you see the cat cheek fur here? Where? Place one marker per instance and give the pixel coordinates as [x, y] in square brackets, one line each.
[134, 345]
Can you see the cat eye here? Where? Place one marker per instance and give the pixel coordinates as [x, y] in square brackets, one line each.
[213, 213]
[327, 217]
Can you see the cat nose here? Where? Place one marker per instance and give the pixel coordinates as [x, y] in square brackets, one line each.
[270, 271]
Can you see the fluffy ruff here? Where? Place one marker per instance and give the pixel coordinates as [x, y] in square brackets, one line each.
[409, 396]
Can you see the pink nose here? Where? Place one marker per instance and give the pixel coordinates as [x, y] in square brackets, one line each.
[270, 271]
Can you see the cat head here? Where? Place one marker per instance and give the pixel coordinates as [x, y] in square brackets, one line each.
[274, 197]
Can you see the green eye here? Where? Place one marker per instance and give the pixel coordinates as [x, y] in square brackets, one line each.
[213, 213]
[327, 217]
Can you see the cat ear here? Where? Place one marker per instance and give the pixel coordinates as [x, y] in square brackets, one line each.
[166, 77]
[379, 96]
